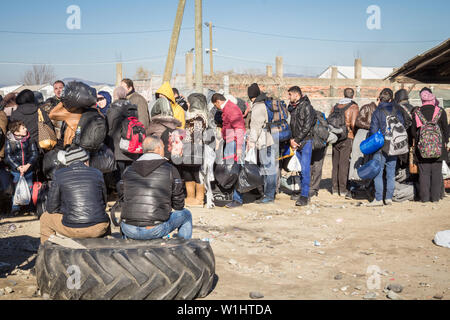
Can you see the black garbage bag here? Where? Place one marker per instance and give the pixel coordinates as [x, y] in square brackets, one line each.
[249, 178]
[103, 160]
[227, 175]
[78, 95]
[91, 131]
[40, 201]
[50, 164]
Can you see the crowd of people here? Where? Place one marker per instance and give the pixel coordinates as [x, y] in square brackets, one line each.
[183, 153]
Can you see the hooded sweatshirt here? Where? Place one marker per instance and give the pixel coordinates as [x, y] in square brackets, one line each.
[178, 112]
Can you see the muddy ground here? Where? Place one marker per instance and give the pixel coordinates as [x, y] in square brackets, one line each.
[333, 249]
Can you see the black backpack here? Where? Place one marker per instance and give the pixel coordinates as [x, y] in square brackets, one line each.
[320, 132]
[91, 131]
[2, 138]
[337, 120]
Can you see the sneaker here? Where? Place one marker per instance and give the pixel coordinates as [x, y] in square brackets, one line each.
[233, 204]
[302, 201]
[349, 196]
[313, 194]
[375, 203]
[264, 201]
[295, 196]
[388, 202]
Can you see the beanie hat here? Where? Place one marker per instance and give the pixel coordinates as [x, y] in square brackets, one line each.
[76, 154]
[253, 91]
[428, 98]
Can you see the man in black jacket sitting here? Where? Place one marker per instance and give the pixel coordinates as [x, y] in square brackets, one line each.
[76, 201]
[152, 188]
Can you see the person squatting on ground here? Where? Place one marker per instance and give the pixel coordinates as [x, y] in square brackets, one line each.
[76, 200]
[152, 188]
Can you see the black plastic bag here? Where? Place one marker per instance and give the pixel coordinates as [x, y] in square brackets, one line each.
[41, 201]
[78, 95]
[50, 164]
[227, 175]
[249, 178]
[103, 160]
[91, 131]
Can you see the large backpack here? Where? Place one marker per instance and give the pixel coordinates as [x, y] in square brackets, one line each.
[396, 136]
[337, 120]
[277, 112]
[430, 136]
[320, 132]
[91, 130]
[132, 136]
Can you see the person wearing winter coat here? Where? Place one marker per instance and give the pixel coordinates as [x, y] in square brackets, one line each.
[303, 119]
[178, 112]
[193, 147]
[69, 120]
[27, 111]
[8, 104]
[430, 170]
[154, 197]
[58, 87]
[343, 149]
[138, 100]
[76, 203]
[4, 129]
[388, 163]
[21, 154]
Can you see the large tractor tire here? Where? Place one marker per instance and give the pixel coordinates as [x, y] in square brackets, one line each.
[115, 269]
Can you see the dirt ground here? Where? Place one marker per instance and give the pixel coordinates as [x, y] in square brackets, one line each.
[333, 249]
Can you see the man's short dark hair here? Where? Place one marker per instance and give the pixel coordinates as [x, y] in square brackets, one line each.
[296, 89]
[218, 97]
[14, 126]
[386, 95]
[349, 93]
[128, 82]
[59, 81]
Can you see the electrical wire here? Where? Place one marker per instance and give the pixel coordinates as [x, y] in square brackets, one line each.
[87, 33]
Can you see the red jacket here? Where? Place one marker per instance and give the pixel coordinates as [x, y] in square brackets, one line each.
[233, 127]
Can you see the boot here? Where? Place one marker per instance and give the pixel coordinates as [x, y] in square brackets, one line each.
[199, 194]
[190, 189]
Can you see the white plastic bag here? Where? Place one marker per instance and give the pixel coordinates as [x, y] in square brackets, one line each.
[445, 171]
[294, 165]
[22, 196]
[443, 239]
[251, 156]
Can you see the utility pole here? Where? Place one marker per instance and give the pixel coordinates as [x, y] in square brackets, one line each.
[174, 41]
[198, 47]
[119, 73]
[211, 63]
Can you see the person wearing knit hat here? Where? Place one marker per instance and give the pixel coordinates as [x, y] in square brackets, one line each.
[253, 91]
[76, 154]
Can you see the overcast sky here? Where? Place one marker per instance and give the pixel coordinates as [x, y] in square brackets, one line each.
[419, 25]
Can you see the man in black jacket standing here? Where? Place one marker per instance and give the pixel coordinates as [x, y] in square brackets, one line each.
[303, 118]
[76, 201]
[152, 188]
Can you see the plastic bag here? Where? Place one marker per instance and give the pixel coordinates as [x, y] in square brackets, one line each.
[52, 162]
[226, 175]
[103, 160]
[22, 196]
[251, 156]
[372, 144]
[370, 170]
[76, 95]
[445, 171]
[91, 131]
[442, 239]
[249, 178]
[294, 165]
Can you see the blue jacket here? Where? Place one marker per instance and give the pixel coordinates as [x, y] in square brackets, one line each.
[379, 117]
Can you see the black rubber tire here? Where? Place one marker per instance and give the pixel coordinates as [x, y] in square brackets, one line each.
[115, 269]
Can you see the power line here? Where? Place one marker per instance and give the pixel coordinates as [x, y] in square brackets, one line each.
[87, 33]
[323, 39]
[150, 59]
[265, 62]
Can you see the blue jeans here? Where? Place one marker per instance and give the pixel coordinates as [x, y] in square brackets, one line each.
[390, 163]
[181, 220]
[304, 156]
[268, 168]
[29, 178]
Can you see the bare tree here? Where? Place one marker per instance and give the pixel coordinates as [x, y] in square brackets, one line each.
[142, 73]
[39, 74]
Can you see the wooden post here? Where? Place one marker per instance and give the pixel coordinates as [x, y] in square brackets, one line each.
[198, 47]
[211, 62]
[334, 76]
[189, 70]
[174, 41]
[119, 74]
[279, 67]
[358, 77]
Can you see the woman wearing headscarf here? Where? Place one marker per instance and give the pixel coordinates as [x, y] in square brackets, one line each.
[193, 146]
[103, 102]
[430, 168]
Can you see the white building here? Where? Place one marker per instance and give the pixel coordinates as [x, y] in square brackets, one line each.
[349, 73]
